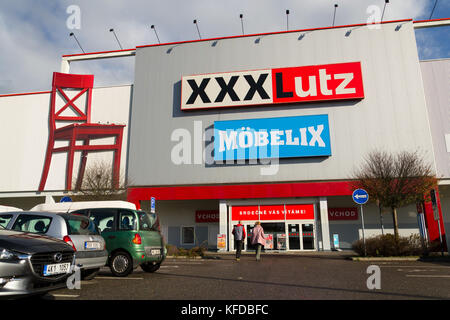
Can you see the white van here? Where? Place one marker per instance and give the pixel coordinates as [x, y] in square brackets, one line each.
[9, 209]
[78, 205]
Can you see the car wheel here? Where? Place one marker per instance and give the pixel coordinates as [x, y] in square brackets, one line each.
[121, 264]
[89, 274]
[150, 267]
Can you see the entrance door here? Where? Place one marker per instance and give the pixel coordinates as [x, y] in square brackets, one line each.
[294, 236]
[249, 245]
[308, 236]
[272, 231]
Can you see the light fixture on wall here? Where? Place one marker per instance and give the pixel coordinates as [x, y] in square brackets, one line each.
[432, 11]
[241, 16]
[73, 35]
[287, 20]
[198, 30]
[112, 30]
[154, 29]
[384, 8]
[334, 15]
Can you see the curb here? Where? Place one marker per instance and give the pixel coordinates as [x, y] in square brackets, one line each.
[183, 257]
[387, 259]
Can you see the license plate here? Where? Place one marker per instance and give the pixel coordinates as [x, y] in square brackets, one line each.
[155, 252]
[52, 269]
[92, 245]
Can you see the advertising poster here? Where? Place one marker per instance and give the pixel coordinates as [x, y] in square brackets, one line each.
[269, 241]
[221, 241]
[281, 241]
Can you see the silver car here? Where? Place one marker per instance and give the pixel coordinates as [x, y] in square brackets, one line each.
[32, 264]
[76, 230]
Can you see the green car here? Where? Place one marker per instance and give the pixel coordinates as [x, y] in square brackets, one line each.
[133, 238]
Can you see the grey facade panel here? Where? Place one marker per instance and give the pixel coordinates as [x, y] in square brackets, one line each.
[392, 116]
[436, 80]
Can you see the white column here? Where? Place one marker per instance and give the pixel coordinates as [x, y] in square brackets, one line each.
[223, 221]
[65, 66]
[325, 227]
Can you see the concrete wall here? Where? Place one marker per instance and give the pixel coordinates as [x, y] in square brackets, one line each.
[392, 116]
[24, 131]
[351, 230]
[436, 81]
[176, 214]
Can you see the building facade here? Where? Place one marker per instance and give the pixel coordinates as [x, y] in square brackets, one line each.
[262, 127]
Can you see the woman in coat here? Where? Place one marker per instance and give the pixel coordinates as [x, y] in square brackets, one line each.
[258, 238]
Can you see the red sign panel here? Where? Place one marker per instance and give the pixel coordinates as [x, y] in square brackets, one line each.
[343, 213]
[202, 216]
[317, 83]
[274, 212]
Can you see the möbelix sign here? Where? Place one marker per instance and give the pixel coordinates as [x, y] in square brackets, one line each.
[273, 86]
[284, 137]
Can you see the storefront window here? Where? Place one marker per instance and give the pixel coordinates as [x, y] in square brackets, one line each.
[188, 235]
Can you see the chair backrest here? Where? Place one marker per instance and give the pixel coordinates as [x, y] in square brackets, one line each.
[81, 83]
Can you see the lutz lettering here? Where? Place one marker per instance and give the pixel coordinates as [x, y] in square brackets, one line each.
[272, 86]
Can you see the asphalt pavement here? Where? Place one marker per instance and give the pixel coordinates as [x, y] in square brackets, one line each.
[276, 277]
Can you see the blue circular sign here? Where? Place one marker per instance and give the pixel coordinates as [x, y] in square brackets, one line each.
[360, 196]
[66, 199]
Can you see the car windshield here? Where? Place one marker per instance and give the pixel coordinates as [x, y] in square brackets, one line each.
[148, 221]
[80, 225]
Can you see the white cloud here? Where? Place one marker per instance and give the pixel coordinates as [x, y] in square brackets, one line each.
[34, 34]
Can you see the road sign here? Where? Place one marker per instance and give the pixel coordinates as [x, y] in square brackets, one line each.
[360, 196]
[66, 199]
[152, 205]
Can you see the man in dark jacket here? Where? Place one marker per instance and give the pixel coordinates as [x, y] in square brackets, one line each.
[239, 237]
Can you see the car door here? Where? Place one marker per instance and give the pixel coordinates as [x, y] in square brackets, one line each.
[106, 221]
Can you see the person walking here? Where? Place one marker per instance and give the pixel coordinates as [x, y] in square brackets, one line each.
[258, 238]
[239, 237]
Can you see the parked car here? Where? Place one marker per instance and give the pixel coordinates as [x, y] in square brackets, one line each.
[8, 209]
[33, 264]
[133, 237]
[76, 230]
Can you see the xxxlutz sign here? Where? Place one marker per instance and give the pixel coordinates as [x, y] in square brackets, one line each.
[272, 86]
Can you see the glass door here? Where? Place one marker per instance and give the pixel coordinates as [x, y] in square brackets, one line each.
[308, 236]
[272, 231]
[294, 236]
[248, 243]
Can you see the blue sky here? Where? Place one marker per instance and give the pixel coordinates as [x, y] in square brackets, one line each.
[34, 34]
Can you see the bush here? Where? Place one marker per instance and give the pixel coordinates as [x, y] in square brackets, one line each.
[387, 246]
[193, 252]
[171, 250]
[197, 251]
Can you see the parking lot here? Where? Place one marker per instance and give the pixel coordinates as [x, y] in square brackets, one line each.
[295, 277]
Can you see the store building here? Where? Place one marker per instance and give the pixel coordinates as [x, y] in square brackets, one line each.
[262, 127]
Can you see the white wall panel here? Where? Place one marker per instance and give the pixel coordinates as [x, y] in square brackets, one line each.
[24, 136]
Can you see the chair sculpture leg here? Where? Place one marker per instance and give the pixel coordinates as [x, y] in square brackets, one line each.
[47, 161]
[82, 166]
[70, 156]
[116, 164]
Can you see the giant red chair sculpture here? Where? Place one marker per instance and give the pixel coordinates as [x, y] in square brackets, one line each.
[81, 129]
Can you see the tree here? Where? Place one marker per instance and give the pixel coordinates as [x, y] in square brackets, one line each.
[98, 184]
[395, 180]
